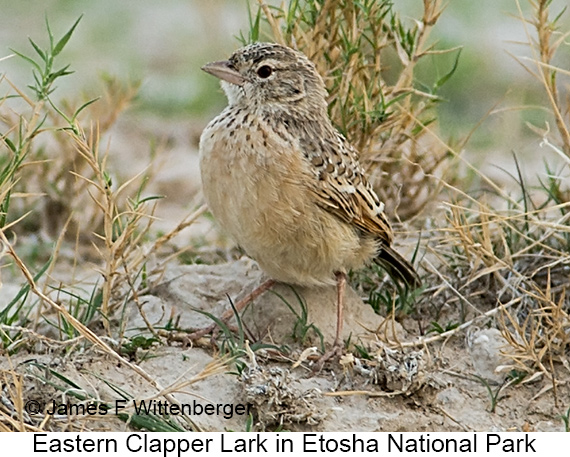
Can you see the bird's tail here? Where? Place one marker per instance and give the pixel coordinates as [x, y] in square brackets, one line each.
[397, 267]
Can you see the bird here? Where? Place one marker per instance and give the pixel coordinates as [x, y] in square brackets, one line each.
[285, 184]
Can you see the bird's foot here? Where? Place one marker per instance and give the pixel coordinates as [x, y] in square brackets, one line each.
[334, 352]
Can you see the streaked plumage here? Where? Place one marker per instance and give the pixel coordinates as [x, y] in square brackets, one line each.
[283, 181]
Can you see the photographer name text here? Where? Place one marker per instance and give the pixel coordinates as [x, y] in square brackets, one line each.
[140, 407]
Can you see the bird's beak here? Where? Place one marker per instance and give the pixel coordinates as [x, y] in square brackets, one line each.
[224, 70]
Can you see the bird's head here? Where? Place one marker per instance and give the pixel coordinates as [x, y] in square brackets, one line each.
[271, 77]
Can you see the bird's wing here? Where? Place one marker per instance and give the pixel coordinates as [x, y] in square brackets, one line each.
[341, 186]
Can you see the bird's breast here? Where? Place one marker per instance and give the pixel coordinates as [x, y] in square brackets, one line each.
[253, 181]
[261, 190]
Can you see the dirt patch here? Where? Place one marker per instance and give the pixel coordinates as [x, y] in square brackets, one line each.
[430, 388]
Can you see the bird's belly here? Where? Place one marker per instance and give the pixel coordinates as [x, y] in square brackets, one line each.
[266, 207]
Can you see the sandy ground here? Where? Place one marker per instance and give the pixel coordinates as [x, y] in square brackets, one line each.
[414, 389]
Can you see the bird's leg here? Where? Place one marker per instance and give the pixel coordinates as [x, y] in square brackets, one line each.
[239, 306]
[337, 345]
[340, 288]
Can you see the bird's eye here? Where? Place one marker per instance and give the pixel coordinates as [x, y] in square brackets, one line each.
[264, 71]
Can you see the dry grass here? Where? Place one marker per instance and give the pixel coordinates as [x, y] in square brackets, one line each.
[56, 184]
[500, 258]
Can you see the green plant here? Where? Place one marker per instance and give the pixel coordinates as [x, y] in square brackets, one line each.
[301, 327]
[566, 420]
[130, 346]
[15, 312]
[437, 328]
[494, 394]
[234, 347]
[385, 299]
[19, 137]
[363, 352]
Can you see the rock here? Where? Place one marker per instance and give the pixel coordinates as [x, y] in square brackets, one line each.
[487, 350]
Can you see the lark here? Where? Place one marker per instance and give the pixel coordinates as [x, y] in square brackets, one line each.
[285, 183]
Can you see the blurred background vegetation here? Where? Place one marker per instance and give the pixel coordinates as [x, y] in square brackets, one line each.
[164, 44]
